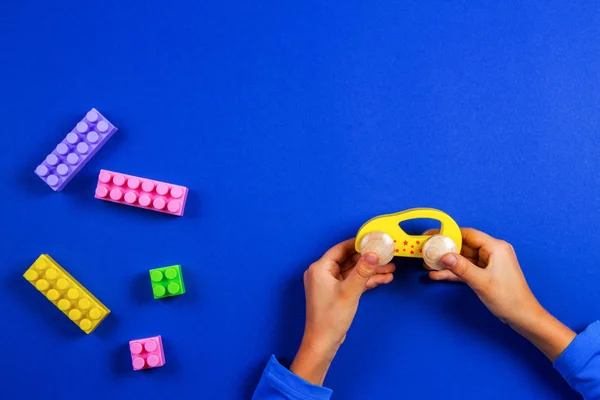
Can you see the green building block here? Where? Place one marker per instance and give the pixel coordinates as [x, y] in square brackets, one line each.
[167, 281]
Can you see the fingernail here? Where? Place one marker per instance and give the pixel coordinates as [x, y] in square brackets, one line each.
[371, 258]
[449, 260]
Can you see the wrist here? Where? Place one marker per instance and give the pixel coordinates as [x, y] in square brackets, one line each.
[545, 332]
[313, 360]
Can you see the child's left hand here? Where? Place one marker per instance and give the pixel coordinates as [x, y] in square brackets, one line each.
[333, 287]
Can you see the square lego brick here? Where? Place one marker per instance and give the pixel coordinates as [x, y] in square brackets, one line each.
[76, 149]
[167, 281]
[147, 353]
[141, 192]
[68, 295]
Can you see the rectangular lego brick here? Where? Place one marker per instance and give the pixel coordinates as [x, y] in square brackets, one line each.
[167, 281]
[74, 300]
[141, 192]
[147, 353]
[76, 149]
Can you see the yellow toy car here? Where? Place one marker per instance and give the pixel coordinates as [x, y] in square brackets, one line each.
[383, 236]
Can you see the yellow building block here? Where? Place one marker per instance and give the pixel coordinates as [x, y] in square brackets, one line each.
[66, 293]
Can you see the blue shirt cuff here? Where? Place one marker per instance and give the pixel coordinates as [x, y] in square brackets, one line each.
[291, 385]
[579, 353]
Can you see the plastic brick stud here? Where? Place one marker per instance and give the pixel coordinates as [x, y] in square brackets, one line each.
[66, 293]
[167, 281]
[147, 353]
[76, 149]
[141, 192]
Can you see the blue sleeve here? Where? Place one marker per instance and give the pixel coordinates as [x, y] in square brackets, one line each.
[278, 382]
[579, 364]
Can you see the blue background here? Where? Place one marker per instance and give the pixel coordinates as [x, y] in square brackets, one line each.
[292, 124]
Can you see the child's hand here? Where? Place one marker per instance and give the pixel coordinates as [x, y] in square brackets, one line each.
[490, 267]
[333, 287]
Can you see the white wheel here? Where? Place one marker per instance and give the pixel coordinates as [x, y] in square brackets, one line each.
[436, 247]
[379, 243]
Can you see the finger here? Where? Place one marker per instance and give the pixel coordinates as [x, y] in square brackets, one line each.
[334, 268]
[340, 252]
[350, 262]
[385, 269]
[466, 250]
[356, 282]
[473, 260]
[476, 239]
[379, 279]
[444, 275]
[464, 269]
[472, 238]
[469, 252]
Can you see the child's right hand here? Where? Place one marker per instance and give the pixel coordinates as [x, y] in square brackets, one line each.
[490, 267]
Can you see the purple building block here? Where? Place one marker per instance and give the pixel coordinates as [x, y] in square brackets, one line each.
[88, 136]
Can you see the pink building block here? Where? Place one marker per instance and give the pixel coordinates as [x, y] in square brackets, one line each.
[147, 353]
[141, 192]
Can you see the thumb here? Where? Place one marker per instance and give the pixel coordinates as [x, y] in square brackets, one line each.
[356, 282]
[463, 268]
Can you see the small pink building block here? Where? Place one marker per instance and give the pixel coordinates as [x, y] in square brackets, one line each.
[141, 192]
[147, 353]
